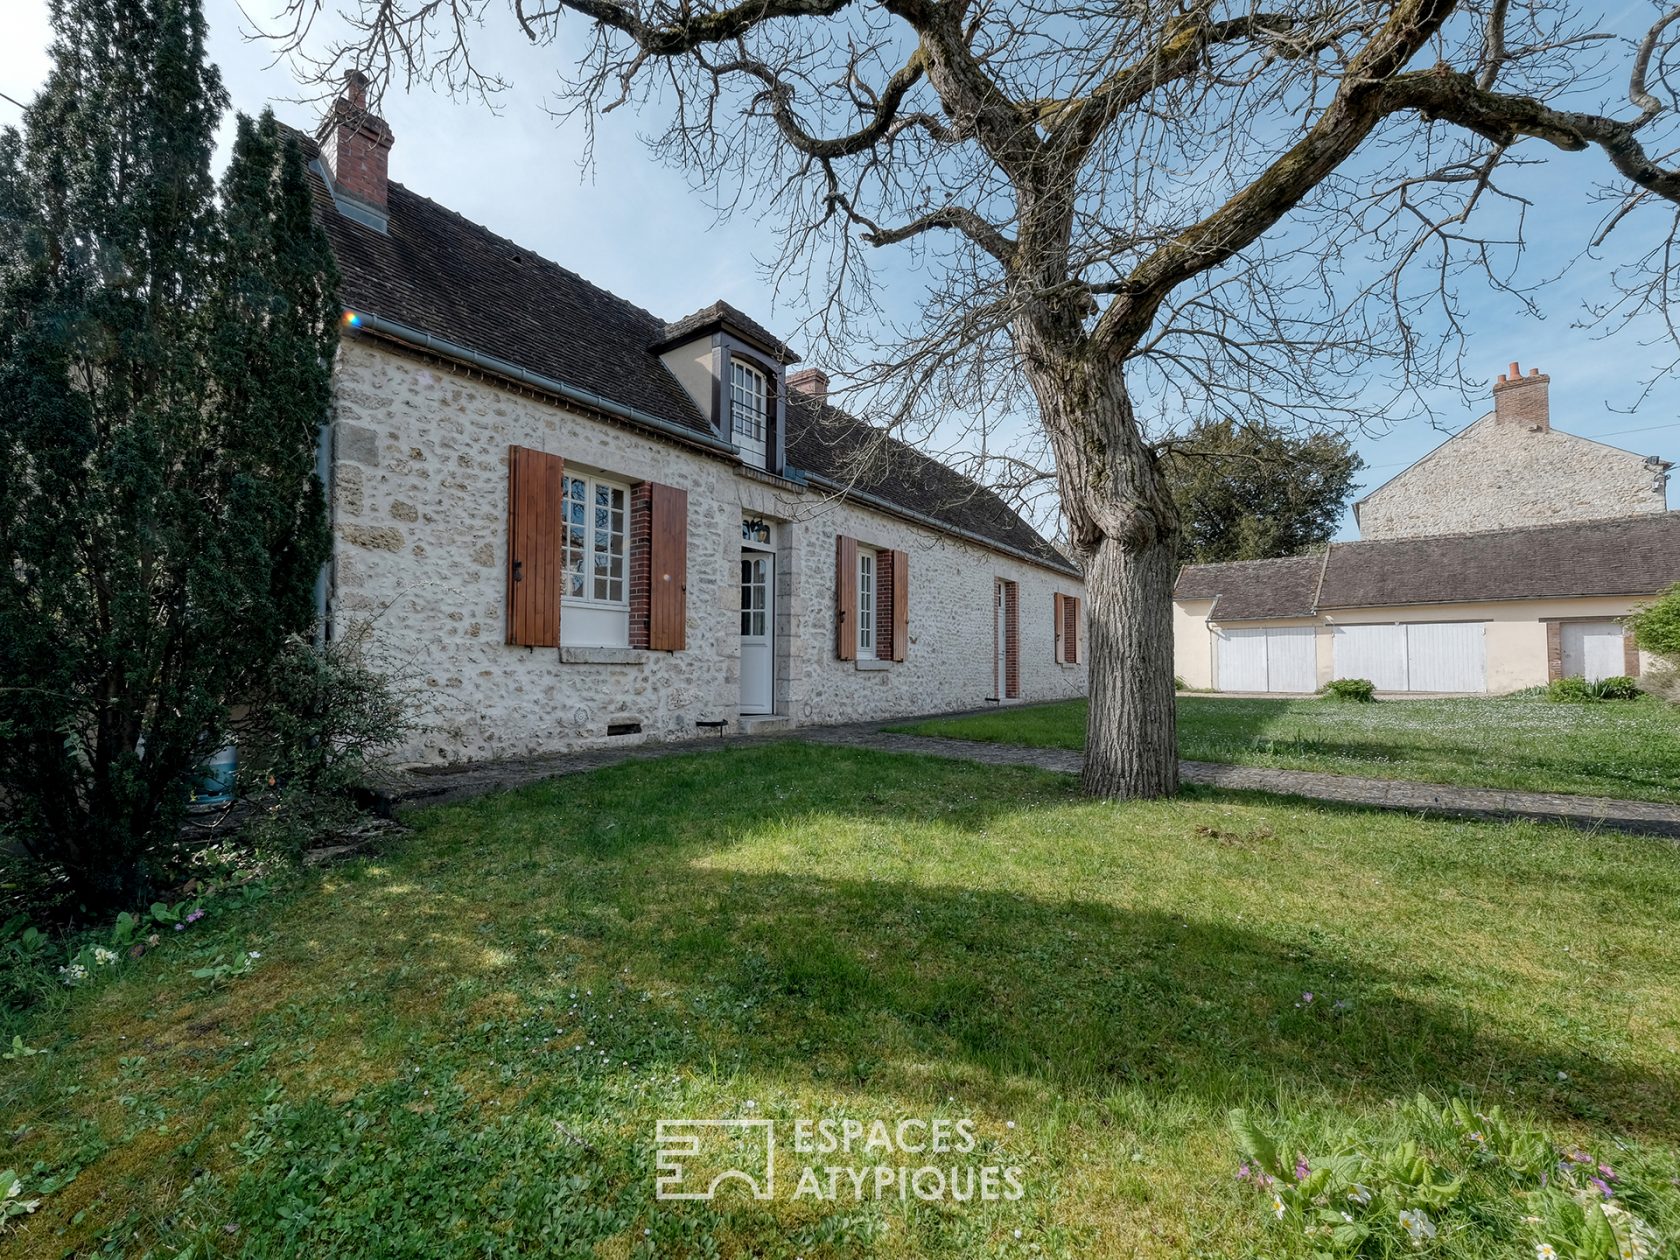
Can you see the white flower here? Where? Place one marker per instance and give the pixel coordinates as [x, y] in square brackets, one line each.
[74, 974]
[254, 954]
[1277, 1207]
[104, 957]
[15, 1189]
[1419, 1226]
[1360, 1194]
[1545, 1251]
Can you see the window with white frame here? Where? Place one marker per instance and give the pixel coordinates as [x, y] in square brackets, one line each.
[866, 604]
[595, 581]
[749, 411]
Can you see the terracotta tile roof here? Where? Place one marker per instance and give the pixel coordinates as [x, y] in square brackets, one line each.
[442, 274]
[1249, 590]
[1628, 555]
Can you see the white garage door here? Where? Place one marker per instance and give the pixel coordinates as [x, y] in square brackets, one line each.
[1374, 652]
[1446, 656]
[1280, 658]
[1592, 649]
[1425, 656]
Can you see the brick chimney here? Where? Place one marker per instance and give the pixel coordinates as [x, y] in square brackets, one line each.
[812, 381]
[356, 150]
[1524, 400]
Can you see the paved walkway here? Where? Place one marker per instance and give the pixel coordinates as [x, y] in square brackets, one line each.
[468, 779]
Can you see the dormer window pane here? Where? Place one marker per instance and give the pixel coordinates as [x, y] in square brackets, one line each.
[749, 409]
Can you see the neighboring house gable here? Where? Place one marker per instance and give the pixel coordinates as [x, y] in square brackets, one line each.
[1512, 469]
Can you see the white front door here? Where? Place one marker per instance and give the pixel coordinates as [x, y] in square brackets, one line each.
[1592, 650]
[758, 630]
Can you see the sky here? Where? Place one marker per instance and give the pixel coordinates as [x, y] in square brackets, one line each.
[638, 229]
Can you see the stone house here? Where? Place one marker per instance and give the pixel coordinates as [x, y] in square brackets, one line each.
[1511, 468]
[571, 522]
[1504, 559]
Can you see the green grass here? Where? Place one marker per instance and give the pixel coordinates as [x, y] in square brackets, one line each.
[461, 1047]
[1628, 749]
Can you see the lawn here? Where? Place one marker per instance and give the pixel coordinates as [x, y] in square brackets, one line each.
[1628, 749]
[462, 1046]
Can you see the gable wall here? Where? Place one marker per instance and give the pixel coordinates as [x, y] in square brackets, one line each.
[1499, 476]
[420, 557]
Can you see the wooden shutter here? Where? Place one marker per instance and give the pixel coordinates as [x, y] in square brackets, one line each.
[845, 598]
[1070, 629]
[667, 568]
[535, 501]
[1060, 624]
[900, 604]
[1012, 650]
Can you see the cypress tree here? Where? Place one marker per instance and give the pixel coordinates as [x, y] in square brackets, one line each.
[165, 367]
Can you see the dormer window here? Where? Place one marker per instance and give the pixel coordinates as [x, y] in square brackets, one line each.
[749, 410]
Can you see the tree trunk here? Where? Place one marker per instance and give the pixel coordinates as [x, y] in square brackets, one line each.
[1124, 528]
[1131, 736]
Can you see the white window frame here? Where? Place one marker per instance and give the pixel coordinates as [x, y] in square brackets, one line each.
[868, 592]
[749, 410]
[595, 621]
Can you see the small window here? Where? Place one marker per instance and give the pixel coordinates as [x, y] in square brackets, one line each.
[749, 411]
[595, 585]
[866, 604]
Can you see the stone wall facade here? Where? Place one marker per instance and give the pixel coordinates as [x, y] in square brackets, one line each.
[419, 501]
[1500, 475]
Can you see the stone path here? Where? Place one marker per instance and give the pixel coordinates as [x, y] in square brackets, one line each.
[459, 782]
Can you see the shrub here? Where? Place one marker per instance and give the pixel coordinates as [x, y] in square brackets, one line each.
[1656, 626]
[1577, 690]
[1664, 682]
[1571, 690]
[1458, 1181]
[311, 741]
[1359, 690]
[1179, 684]
[1619, 687]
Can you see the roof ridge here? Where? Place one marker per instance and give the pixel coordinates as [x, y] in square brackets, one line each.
[1626, 518]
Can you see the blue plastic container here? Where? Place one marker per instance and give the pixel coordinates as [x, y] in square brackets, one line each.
[213, 783]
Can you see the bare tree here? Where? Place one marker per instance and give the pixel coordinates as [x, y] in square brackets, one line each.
[1107, 195]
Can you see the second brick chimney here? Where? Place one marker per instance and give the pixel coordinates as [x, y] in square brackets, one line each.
[1524, 400]
[355, 150]
[812, 381]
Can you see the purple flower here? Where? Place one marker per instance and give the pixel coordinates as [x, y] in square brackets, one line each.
[1607, 1172]
[1301, 1168]
[180, 927]
[1306, 997]
[1242, 1172]
[1603, 1188]
[193, 916]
